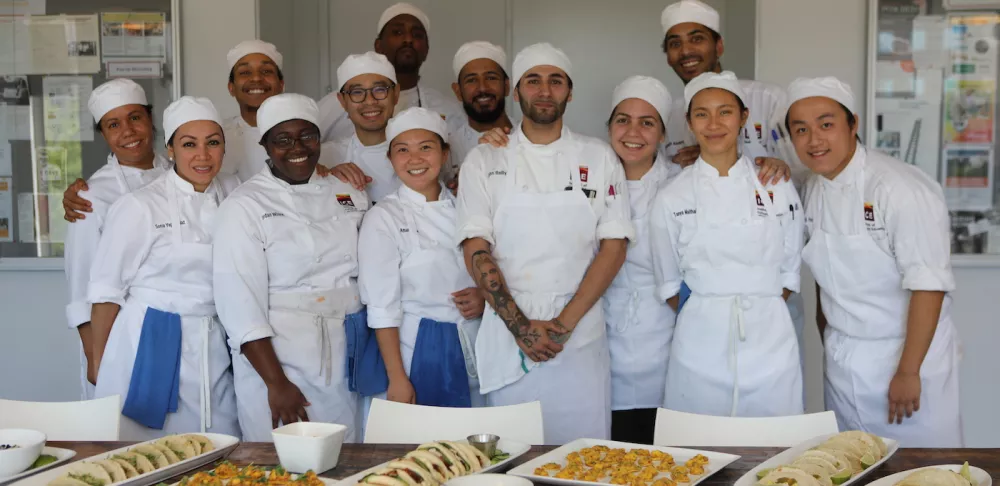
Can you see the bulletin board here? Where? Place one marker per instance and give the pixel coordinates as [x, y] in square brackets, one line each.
[53, 53]
[934, 67]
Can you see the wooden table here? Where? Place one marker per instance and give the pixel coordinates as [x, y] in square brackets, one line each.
[355, 458]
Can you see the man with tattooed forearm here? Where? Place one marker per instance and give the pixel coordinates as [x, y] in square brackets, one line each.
[544, 224]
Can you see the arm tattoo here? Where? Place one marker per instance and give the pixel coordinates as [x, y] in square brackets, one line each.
[562, 336]
[491, 280]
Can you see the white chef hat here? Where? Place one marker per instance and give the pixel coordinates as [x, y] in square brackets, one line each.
[188, 109]
[416, 118]
[725, 80]
[470, 51]
[827, 87]
[284, 107]
[541, 54]
[115, 93]
[645, 88]
[403, 8]
[368, 63]
[253, 47]
[689, 11]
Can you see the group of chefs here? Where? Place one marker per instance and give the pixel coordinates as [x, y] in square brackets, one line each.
[391, 241]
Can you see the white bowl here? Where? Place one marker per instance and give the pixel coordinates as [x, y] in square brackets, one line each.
[304, 446]
[488, 480]
[15, 461]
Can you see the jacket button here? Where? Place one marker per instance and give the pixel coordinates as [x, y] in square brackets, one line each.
[744, 221]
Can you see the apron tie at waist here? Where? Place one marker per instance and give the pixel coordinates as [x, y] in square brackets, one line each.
[736, 331]
[208, 323]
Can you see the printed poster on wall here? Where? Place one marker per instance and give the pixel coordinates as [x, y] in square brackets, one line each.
[50, 44]
[65, 112]
[969, 107]
[134, 36]
[968, 178]
[974, 45]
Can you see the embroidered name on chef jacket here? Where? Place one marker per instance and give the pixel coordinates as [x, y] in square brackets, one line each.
[496, 173]
[271, 215]
[761, 210]
[160, 226]
[685, 212]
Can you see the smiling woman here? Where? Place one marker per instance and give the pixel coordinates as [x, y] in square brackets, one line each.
[152, 278]
[285, 280]
[734, 350]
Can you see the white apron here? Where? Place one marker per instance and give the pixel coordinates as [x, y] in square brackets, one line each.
[310, 342]
[158, 163]
[866, 307]
[544, 244]
[639, 326]
[734, 351]
[207, 402]
[427, 271]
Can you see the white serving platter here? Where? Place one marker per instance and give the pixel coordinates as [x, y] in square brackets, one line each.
[716, 460]
[224, 444]
[789, 455]
[514, 448]
[61, 455]
[982, 478]
[326, 481]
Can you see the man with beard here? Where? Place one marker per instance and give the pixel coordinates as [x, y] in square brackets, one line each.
[368, 94]
[693, 46]
[482, 86]
[402, 38]
[254, 76]
[549, 212]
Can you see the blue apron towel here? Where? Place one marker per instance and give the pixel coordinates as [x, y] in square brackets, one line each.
[366, 373]
[156, 374]
[437, 372]
[684, 294]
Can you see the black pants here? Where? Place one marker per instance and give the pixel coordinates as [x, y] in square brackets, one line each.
[635, 426]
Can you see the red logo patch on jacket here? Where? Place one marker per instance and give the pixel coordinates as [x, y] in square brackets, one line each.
[345, 200]
[869, 212]
[760, 202]
[584, 171]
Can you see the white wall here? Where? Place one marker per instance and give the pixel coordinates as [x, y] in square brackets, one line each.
[209, 29]
[821, 37]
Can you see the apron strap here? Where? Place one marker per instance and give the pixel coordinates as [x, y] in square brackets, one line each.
[207, 324]
[736, 332]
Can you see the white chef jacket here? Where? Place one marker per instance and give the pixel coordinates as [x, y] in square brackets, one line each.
[908, 220]
[373, 160]
[385, 243]
[336, 125]
[483, 182]
[266, 236]
[106, 186]
[678, 202]
[462, 138]
[135, 248]
[245, 156]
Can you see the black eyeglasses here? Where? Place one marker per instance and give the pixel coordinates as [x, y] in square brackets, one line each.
[359, 95]
[286, 142]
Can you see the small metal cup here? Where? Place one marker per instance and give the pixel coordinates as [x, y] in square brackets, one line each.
[486, 443]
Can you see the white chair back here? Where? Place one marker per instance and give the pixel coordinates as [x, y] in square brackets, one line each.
[402, 423]
[91, 420]
[688, 429]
